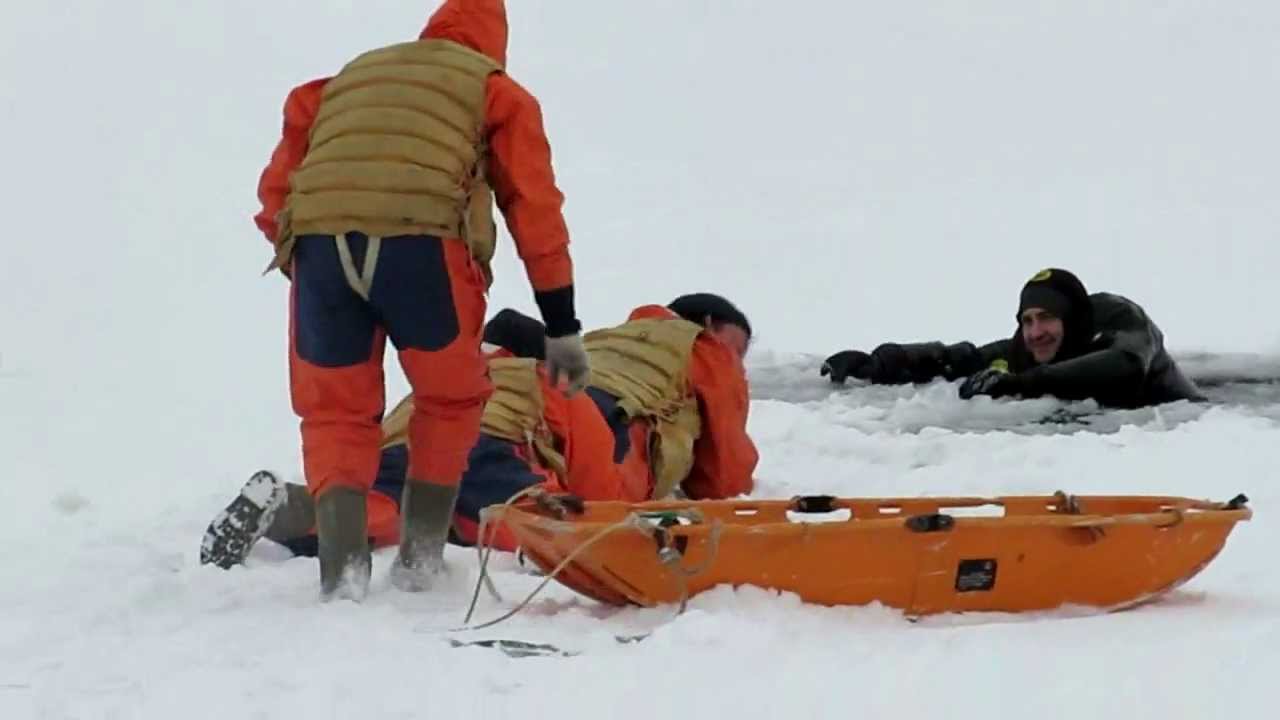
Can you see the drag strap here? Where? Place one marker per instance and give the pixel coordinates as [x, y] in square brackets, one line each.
[360, 282]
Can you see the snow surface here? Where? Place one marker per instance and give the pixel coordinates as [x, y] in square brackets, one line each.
[850, 172]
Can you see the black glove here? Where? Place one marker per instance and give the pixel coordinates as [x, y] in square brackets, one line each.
[992, 382]
[519, 333]
[849, 363]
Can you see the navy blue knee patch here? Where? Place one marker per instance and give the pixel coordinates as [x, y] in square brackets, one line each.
[393, 468]
[615, 418]
[494, 473]
[413, 293]
[332, 325]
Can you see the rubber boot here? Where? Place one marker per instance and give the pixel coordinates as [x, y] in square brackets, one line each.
[295, 518]
[426, 512]
[343, 544]
[234, 531]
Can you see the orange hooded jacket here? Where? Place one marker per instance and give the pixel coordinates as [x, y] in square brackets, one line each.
[519, 160]
[724, 456]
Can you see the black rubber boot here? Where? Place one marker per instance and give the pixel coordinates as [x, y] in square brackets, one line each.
[296, 516]
[341, 527]
[234, 531]
[426, 512]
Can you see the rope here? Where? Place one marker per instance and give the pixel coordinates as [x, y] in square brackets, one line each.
[484, 549]
[683, 574]
[630, 521]
[1070, 505]
[713, 542]
[1066, 504]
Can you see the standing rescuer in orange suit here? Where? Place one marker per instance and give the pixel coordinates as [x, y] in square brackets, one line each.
[378, 199]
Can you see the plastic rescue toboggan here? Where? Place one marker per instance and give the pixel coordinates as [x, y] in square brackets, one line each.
[919, 555]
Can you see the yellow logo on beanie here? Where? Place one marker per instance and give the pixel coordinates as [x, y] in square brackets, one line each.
[1041, 276]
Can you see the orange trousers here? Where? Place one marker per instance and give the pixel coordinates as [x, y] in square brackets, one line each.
[425, 294]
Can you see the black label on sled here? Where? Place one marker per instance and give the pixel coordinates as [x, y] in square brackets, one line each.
[973, 575]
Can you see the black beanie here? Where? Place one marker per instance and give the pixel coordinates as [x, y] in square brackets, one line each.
[698, 307]
[1058, 291]
[1061, 293]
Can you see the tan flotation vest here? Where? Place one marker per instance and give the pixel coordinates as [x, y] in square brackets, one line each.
[513, 412]
[644, 363]
[395, 425]
[397, 148]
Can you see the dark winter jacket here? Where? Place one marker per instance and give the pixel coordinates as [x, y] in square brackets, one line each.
[1124, 365]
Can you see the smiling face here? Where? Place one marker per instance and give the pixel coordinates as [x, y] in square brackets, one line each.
[1042, 331]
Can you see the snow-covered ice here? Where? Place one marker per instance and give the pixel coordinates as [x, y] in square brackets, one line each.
[111, 616]
[850, 172]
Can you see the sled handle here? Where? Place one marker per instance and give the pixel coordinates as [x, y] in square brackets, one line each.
[1164, 519]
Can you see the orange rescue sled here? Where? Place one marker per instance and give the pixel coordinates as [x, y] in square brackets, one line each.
[920, 555]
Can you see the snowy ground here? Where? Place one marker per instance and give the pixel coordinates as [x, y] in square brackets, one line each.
[113, 617]
[850, 172]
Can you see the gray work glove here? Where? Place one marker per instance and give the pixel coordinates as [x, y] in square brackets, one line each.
[566, 355]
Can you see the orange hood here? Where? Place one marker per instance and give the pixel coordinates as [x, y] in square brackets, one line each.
[478, 24]
[649, 312]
